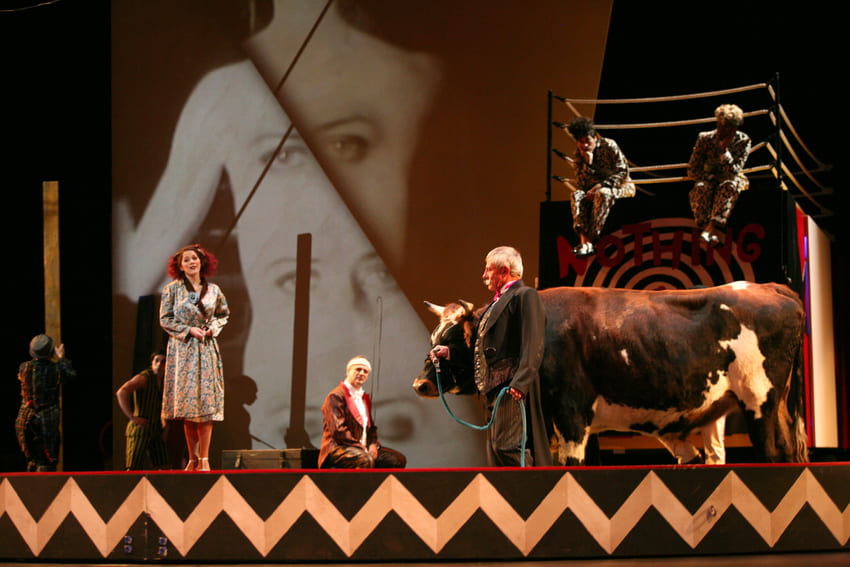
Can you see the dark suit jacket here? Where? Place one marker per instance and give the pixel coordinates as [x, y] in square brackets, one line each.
[339, 414]
[510, 354]
[512, 340]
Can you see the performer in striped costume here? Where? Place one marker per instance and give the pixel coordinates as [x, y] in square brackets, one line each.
[140, 398]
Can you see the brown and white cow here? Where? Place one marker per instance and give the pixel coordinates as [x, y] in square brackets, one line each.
[661, 363]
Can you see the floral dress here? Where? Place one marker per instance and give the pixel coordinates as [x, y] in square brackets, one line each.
[193, 388]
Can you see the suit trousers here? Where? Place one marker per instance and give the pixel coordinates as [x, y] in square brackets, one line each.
[356, 457]
[712, 202]
[504, 438]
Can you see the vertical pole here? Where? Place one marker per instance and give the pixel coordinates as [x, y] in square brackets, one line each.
[549, 149]
[785, 254]
[52, 296]
[296, 435]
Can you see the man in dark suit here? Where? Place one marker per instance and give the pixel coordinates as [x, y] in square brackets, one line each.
[508, 350]
[350, 437]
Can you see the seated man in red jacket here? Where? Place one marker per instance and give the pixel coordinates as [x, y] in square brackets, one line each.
[350, 437]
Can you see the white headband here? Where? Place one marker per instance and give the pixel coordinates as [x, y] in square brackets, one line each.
[362, 360]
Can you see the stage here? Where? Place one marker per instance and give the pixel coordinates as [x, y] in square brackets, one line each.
[438, 515]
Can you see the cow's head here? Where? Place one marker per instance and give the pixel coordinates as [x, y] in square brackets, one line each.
[453, 331]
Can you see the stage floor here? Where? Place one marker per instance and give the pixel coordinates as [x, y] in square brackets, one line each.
[770, 515]
[840, 559]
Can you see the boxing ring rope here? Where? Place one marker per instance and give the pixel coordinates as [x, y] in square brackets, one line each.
[793, 130]
[775, 165]
[662, 98]
[644, 125]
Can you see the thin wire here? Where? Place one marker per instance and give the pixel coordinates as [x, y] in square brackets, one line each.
[25, 8]
[303, 46]
[376, 350]
[272, 158]
[256, 186]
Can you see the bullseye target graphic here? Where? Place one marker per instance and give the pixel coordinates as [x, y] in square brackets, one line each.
[664, 253]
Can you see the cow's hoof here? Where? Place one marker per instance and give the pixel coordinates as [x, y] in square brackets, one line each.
[697, 460]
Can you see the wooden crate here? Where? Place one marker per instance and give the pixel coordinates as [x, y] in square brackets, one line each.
[270, 459]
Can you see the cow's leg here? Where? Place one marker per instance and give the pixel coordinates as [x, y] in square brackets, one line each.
[771, 434]
[713, 441]
[682, 450]
[783, 446]
[763, 399]
[776, 435]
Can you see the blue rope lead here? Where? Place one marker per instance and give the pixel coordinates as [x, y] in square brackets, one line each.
[492, 416]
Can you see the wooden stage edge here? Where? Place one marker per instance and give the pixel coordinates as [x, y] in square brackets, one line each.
[267, 516]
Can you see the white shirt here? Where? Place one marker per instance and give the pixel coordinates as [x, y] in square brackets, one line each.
[357, 395]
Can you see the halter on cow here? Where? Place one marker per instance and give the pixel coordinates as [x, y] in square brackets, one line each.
[660, 363]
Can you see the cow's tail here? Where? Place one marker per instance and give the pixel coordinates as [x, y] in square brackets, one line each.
[797, 406]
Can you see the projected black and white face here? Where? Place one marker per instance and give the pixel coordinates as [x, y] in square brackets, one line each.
[359, 101]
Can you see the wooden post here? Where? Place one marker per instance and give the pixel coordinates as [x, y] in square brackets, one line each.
[296, 436]
[52, 304]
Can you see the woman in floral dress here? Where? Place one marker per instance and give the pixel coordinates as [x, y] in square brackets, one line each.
[193, 312]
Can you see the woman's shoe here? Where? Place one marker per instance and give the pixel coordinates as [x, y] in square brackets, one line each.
[192, 465]
[204, 464]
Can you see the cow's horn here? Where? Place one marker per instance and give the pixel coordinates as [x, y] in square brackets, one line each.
[435, 309]
[466, 305]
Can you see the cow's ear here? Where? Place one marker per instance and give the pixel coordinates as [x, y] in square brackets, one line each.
[435, 309]
[466, 305]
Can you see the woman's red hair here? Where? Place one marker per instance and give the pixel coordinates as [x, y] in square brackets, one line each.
[209, 263]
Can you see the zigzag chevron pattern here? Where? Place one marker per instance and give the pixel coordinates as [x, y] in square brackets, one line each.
[392, 496]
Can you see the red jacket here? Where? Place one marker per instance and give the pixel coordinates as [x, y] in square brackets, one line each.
[340, 422]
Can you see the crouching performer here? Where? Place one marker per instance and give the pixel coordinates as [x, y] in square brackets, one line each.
[349, 436]
[717, 167]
